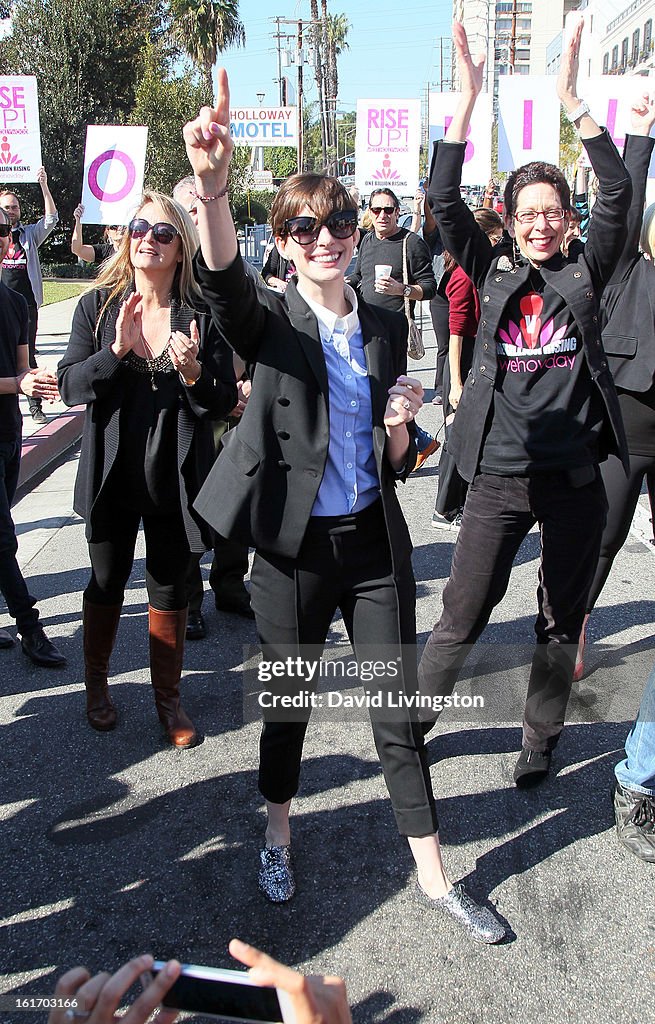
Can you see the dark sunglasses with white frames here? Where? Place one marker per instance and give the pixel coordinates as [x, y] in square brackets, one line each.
[305, 230]
[162, 231]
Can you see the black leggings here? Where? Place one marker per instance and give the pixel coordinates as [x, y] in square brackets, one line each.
[622, 497]
[111, 549]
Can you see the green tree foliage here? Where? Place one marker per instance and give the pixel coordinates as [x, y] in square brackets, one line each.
[165, 104]
[204, 28]
[87, 57]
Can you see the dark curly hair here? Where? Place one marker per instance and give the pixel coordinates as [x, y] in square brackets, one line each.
[535, 173]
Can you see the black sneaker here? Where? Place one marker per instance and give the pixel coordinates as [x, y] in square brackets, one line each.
[635, 822]
[531, 768]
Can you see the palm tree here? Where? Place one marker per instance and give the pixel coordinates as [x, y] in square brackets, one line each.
[204, 28]
[337, 29]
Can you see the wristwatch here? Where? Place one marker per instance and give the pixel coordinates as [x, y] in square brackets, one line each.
[581, 109]
[407, 290]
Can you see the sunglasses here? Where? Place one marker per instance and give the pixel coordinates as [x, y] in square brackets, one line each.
[162, 232]
[5, 230]
[305, 230]
[377, 210]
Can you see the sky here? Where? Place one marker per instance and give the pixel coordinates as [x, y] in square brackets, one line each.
[393, 52]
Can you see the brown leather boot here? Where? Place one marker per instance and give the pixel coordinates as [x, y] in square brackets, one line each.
[100, 624]
[166, 652]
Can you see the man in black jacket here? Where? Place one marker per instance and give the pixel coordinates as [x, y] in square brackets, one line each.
[15, 378]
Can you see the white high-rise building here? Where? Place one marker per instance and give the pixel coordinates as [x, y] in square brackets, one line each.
[514, 33]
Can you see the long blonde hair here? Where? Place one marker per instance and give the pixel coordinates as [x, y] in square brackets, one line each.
[116, 275]
[647, 239]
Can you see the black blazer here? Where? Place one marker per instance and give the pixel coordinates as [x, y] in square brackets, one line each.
[89, 373]
[580, 281]
[263, 486]
[628, 305]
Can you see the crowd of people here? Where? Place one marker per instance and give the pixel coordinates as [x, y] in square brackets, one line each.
[231, 413]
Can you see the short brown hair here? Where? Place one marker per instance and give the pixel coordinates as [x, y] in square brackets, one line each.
[322, 194]
[536, 173]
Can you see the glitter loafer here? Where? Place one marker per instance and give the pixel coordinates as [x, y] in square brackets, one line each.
[477, 920]
[276, 879]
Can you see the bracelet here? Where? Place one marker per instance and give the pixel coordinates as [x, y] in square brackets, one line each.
[210, 199]
[188, 383]
[581, 109]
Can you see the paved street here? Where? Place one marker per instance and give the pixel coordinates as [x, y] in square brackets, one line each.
[115, 844]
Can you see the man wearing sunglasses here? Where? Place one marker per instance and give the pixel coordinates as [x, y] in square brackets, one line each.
[21, 268]
[17, 378]
[384, 246]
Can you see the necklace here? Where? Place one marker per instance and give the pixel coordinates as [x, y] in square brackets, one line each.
[150, 364]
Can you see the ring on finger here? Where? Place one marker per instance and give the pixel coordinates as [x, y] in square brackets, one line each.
[407, 404]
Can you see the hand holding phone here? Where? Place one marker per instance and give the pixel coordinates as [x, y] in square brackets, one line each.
[269, 993]
[315, 999]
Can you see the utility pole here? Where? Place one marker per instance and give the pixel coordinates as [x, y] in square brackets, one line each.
[300, 27]
[301, 141]
[278, 36]
[512, 40]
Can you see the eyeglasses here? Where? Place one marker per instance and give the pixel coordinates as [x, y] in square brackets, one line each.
[162, 232]
[5, 230]
[116, 227]
[305, 230]
[377, 210]
[530, 216]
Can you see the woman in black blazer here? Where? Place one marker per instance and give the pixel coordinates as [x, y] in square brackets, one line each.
[309, 478]
[628, 329]
[146, 360]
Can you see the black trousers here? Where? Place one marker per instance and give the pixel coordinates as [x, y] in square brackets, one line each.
[439, 309]
[344, 562]
[111, 549]
[498, 513]
[33, 314]
[20, 603]
[622, 497]
[229, 566]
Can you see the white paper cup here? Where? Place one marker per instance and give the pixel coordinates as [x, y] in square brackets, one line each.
[382, 270]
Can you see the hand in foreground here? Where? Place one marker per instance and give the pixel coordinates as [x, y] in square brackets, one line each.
[78, 212]
[471, 72]
[207, 139]
[39, 384]
[316, 999]
[128, 326]
[405, 400]
[184, 353]
[42, 177]
[567, 80]
[98, 998]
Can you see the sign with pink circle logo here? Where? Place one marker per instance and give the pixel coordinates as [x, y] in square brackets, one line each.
[130, 176]
[114, 164]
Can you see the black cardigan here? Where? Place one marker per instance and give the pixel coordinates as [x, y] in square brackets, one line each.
[89, 373]
[580, 281]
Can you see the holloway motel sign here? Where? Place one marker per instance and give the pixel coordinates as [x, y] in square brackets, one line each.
[264, 126]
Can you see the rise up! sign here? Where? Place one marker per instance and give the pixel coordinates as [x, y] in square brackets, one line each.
[20, 138]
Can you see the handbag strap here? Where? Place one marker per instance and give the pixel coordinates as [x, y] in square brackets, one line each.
[408, 312]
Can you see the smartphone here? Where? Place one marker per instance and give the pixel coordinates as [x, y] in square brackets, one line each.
[229, 995]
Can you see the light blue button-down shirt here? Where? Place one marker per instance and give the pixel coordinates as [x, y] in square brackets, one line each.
[350, 480]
